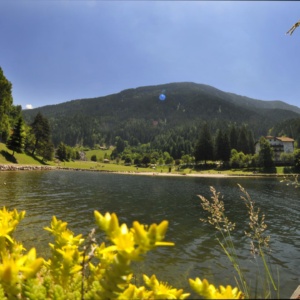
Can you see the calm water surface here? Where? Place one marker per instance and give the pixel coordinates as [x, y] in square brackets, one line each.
[73, 196]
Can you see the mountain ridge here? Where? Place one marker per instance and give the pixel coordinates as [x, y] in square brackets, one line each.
[186, 104]
[265, 103]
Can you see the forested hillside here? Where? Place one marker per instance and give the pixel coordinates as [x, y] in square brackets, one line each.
[139, 116]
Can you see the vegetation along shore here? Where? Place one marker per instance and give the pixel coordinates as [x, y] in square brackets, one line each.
[16, 167]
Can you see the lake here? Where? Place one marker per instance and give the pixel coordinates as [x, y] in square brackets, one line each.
[73, 196]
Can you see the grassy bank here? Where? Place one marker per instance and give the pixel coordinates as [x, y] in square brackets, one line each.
[18, 158]
[25, 159]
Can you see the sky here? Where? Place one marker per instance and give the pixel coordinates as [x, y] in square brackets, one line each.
[56, 51]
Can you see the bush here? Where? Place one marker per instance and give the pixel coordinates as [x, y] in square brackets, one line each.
[81, 268]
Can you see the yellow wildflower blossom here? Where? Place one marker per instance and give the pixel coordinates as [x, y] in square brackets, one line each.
[26, 266]
[162, 290]
[8, 222]
[133, 292]
[209, 291]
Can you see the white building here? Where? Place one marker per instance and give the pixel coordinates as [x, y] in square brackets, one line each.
[279, 145]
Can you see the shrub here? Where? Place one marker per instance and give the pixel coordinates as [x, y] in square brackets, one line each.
[81, 268]
[94, 157]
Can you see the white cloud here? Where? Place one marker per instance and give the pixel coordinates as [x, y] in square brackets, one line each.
[28, 106]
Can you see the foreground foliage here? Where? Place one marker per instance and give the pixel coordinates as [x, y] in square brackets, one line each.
[265, 286]
[81, 268]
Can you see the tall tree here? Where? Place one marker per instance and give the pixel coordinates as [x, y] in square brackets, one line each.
[226, 151]
[6, 101]
[17, 140]
[218, 144]
[297, 159]
[204, 149]
[222, 147]
[242, 142]
[42, 134]
[265, 154]
[61, 151]
[251, 142]
[233, 137]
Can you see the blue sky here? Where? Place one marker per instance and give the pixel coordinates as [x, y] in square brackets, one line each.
[57, 51]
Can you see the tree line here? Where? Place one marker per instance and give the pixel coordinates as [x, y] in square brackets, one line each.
[18, 136]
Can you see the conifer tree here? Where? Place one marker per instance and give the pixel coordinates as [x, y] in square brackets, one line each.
[222, 147]
[16, 141]
[242, 142]
[218, 144]
[6, 101]
[61, 151]
[233, 137]
[204, 148]
[226, 150]
[266, 154]
[42, 133]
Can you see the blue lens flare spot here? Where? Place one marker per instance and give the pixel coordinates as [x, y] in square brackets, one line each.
[162, 97]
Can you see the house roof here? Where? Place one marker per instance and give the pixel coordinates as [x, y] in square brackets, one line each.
[285, 139]
[280, 138]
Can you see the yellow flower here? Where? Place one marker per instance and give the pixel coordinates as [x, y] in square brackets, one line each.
[32, 264]
[124, 242]
[12, 269]
[108, 223]
[8, 222]
[133, 292]
[162, 290]
[148, 239]
[209, 291]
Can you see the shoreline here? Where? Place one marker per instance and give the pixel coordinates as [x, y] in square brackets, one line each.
[12, 167]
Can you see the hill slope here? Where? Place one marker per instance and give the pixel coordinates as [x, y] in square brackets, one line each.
[138, 115]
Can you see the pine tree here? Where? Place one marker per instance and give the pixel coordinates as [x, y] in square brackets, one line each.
[6, 101]
[42, 134]
[16, 141]
[243, 143]
[233, 137]
[61, 151]
[204, 149]
[226, 151]
[222, 147]
[251, 142]
[265, 155]
[219, 145]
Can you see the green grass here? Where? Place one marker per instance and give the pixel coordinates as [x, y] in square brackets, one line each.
[20, 158]
[24, 159]
[109, 167]
[99, 153]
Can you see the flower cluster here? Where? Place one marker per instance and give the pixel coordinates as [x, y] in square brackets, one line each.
[83, 269]
[209, 291]
[15, 266]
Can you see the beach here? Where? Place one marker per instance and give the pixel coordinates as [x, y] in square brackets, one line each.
[15, 167]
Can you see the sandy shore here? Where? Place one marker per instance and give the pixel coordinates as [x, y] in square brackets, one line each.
[14, 167]
[212, 175]
[174, 174]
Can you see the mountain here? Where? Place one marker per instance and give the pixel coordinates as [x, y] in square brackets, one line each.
[139, 116]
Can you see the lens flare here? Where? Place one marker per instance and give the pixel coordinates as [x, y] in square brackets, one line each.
[162, 97]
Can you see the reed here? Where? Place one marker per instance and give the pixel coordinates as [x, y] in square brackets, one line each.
[259, 243]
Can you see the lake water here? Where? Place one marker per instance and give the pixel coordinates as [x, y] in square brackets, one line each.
[73, 196]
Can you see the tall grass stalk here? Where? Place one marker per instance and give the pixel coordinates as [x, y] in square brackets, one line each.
[258, 240]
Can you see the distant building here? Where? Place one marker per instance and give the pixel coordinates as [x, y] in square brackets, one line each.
[280, 145]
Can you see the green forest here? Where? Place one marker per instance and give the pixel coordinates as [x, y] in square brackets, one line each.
[194, 123]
